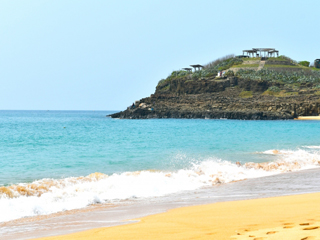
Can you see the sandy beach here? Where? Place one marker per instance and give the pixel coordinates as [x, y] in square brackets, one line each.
[288, 217]
[308, 118]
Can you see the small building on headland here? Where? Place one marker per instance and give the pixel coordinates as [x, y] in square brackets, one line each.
[221, 73]
[189, 70]
[261, 52]
[317, 63]
[197, 66]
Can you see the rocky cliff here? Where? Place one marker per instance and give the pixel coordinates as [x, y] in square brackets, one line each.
[233, 97]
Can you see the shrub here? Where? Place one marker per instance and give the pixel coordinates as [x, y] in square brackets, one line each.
[222, 64]
[179, 73]
[274, 89]
[161, 82]
[287, 58]
[304, 63]
[245, 94]
[210, 74]
[196, 75]
[230, 73]
[218, 61]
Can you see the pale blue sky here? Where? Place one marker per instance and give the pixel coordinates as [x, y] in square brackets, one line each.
[103, 55]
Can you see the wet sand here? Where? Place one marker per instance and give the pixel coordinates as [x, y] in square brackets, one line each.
[288, 217]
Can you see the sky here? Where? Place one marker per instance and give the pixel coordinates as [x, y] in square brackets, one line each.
[104, 55]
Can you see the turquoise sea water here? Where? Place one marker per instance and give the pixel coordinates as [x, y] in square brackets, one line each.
[57, 144]
[37, 145]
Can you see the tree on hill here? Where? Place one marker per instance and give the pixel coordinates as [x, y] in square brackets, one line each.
[305, 63]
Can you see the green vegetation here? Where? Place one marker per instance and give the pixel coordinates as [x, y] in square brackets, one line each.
[304, 63]
[281, 66]
[281, 58]
[315, 69]
[288, 77]
[270, 93]
[278, 92]
[274, 89]
[295, 74]
[286, 94]
[210, 70]
[180, 73]
[246, 66]
[277, 59]
[252, 59]
[245, 94]
[211, 74]
[220, 64]
[293, 86]
[163, 82]
[285, 58]
[230, 73]
[166, 88]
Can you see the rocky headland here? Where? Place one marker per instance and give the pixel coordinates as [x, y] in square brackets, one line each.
[280, 89]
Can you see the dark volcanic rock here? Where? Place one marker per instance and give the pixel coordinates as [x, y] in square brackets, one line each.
[230, 98]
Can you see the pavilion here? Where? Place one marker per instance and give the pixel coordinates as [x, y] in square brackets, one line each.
[261, 52]
[189, 70]
[197, 66]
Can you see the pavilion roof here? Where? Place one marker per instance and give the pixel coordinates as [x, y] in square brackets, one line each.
[252, 50]
[264, 49]
[196, 65]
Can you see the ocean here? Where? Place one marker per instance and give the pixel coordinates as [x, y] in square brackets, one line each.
[54, 161]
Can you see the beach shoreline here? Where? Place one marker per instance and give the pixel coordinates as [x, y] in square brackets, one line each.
[285, 217]
[306, 118]
[100, 217]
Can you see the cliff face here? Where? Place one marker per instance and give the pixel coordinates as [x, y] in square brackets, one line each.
[231, 98]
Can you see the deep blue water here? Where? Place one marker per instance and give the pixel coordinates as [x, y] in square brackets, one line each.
[59, 144]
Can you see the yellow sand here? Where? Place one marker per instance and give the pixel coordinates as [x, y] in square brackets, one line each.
[289, 217]
[308, 118]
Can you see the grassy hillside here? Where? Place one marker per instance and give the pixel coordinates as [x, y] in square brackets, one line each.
[283, 70]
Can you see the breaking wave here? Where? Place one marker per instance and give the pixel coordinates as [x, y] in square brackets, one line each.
[48, 196]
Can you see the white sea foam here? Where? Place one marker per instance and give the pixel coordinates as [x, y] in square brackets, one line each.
[50, 196]
[312, 147]
[305, 158]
